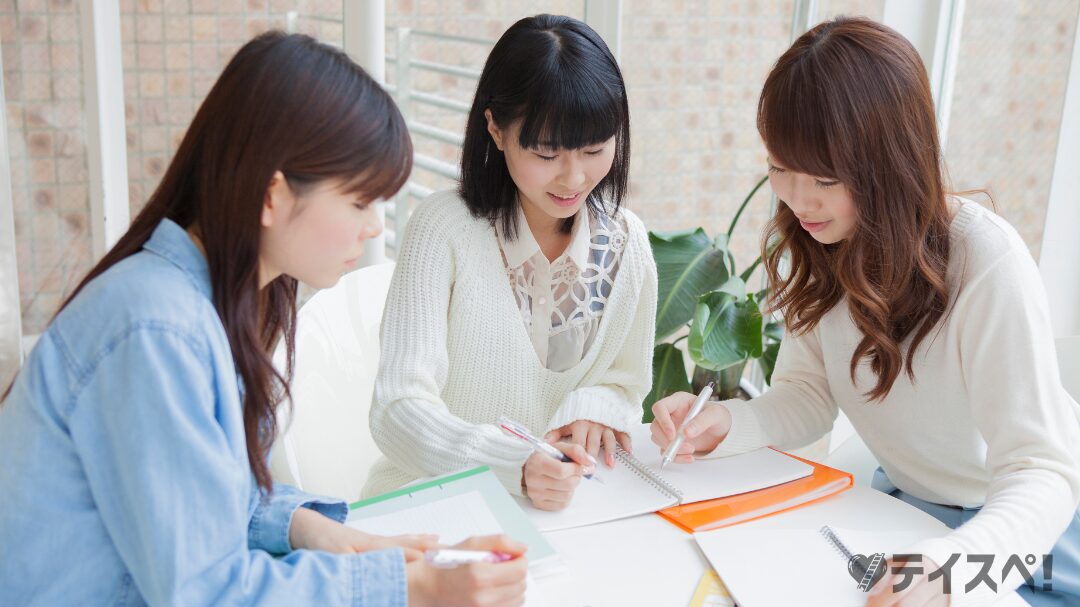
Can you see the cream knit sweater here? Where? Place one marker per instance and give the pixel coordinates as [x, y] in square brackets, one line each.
[456, 355]
[986, 423]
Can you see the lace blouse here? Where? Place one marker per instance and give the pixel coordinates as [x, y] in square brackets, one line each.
[561, 302]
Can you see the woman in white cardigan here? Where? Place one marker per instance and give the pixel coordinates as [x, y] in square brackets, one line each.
[528, 293]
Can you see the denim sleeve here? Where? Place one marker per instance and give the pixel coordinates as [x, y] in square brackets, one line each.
[168, 475]
[272, 514]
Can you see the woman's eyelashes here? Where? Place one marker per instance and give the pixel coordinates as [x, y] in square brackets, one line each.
[821, 183]
[553, 156]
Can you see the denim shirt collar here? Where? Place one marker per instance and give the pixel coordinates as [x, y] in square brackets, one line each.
[172, 243]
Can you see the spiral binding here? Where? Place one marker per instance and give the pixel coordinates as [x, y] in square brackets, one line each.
[647, 475]
[834, 541]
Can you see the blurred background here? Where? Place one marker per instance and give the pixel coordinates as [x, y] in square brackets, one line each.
[97, 95]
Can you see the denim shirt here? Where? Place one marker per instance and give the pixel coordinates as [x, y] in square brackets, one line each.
[124, 477]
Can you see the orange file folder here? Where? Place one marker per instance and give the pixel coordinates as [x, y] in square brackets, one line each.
[734, 509]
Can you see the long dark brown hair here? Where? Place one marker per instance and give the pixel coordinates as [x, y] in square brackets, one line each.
[850, 100]
[288, 103]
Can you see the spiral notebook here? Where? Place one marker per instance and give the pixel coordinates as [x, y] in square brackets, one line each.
[638, 486]
[838, 546]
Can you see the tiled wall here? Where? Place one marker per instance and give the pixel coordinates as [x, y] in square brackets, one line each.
[1010, 86]
[693, 70]
[173, 51]
[44, 89]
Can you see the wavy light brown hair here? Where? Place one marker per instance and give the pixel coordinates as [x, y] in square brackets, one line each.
[850, 100]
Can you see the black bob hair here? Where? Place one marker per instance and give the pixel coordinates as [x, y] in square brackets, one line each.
[555, 75]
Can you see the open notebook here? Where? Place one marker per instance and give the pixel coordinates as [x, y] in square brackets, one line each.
[456, 507]
[637, 486]
[750, 556]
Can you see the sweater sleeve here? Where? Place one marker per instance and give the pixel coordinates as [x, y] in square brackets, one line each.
[1030, 424]
[797, 409]
[409, 420]
[614, 400]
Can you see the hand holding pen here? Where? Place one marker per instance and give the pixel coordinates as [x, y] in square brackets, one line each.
[684, 424]
[479, 571]
[552, 473]
[594, 436]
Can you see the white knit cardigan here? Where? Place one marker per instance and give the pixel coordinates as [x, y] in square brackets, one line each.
[456, 355]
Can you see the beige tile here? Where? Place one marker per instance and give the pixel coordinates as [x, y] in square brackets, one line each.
[177, 29]
[204, 28]
[151, 84]
[178, 57]
[149, 28]
[151, 56]
[64, 28]
[36, 86]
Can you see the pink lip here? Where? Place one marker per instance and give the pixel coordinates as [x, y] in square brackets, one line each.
[813, 227]
[564, 202]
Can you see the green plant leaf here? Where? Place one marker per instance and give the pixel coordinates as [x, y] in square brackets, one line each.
[688, 264]
[669, 377]
[725, 331]
[748, 272]
[735, 287]
[775, 330]
[768, 360]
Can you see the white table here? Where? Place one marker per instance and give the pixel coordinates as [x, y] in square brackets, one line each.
[648, 562]
[643, 560]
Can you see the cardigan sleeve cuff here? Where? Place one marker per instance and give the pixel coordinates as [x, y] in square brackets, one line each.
[505, 456]
[600, 404]
[746, 433]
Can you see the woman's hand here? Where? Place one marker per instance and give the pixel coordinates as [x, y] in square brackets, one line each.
[550, 483]
[703, 433]
[592, 436]
[474, 585]
[313, 531]
[919, 592]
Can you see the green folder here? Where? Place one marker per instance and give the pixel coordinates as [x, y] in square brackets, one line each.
[506, 511]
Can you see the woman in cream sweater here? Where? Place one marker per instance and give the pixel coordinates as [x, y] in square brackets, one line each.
[530, 292]
[921, 315]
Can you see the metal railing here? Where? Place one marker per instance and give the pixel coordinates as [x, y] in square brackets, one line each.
[404, 65]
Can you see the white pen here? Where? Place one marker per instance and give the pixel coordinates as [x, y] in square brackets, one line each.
[538, 445]
[680, 436]
[446, 558]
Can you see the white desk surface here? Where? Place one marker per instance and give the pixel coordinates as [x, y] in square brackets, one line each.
[648, 562]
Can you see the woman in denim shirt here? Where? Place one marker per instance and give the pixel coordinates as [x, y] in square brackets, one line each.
[134, 442]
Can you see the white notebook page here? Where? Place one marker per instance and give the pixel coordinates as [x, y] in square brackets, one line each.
[706, 479]
[812, 571]
[623, 493]
[453, 519]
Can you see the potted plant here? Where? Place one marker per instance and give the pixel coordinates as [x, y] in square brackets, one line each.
[704, 300]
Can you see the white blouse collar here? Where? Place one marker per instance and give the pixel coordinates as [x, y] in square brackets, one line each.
[524, 247]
